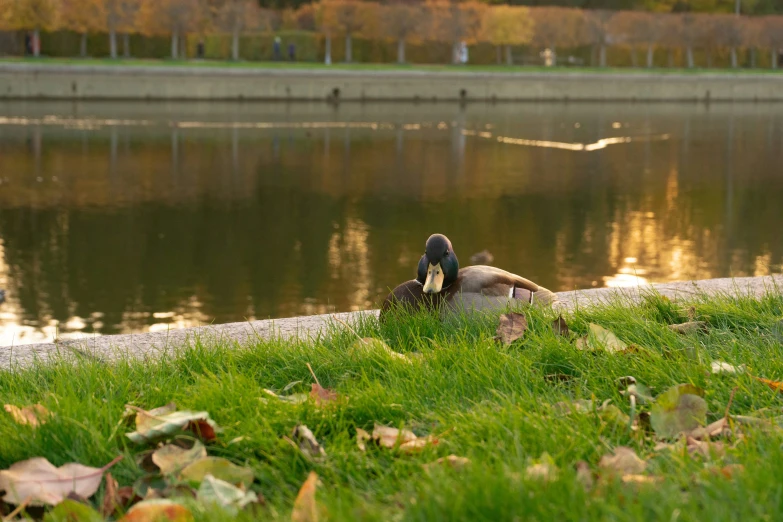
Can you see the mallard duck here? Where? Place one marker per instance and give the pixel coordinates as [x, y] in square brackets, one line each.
[441, 281]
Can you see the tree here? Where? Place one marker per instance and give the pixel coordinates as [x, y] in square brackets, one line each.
[33, 15]
[557, 27]
[638, 28]
[772, 36]
[235, 16]
[454, 22]
[598, 25]
[400, 21]
[504, 25]
[119, 16]
[81, 16]
[173, 17]
[346, 17]
[729, 32]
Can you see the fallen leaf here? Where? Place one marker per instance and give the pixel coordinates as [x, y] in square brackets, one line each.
[719, 428]
[149, 486]
[390, 437]
[577, 406]
[640, 479]
[560, 327]
[371, 345]
[171, 458]
[362, 436]
[418, 444]
[164, 421]
[718, 367]
[307, 442]
[543, 469]
[296, 398]
[219, 468]
[679, 409]
[691, 327]
[512, 326]
[110, 497]
[34, 415]
[706, 449]
[158, 510]
[323, 395]
[43, 483]
[623, 461]
[305, 506]
[225, 495]
[599, 338]
[72, 511]
[585, 475]
[731, 470]
[451, 461]
[775, 385]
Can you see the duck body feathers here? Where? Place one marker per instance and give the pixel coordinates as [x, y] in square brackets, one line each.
[477, 288]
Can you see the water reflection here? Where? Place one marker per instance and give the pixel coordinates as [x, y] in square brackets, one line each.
[130, 217]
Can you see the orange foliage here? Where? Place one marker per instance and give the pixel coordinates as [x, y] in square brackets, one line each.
[558, 27]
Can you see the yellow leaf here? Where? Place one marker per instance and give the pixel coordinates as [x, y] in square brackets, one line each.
[34, 415]
[305, 506]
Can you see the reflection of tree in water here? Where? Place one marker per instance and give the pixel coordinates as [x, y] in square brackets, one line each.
[246, 224]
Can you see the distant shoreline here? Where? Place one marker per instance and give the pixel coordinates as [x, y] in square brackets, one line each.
[141, 80]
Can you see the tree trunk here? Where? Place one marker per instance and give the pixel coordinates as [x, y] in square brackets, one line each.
[689, 52]
[671, 59]
[634, 58]
[328, 50]
[83, 46]
[348, 49]
[455, 52]
[593, 58]
[733, 57]
[650, 56]
[752, 57]
[235, 45]
[602, 55]
[773, 59]
[401, 50]
[174, 44]
[709, 58]
[126, 45]
[112, 43]
[36, 42]
[509, 57]
[498, 53]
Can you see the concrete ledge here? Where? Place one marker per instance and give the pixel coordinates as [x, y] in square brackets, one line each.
[154, 345]
[118, 82]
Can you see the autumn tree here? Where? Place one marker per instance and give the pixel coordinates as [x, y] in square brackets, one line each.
[347, 18]
[400, 22]
[598, 25]
[455, 22]
[772, 37]
[729, 33]
[34, 15]
[81, 16]
[120, 17]
[235, 16]
[637, 28]
[557, 27]
[504, 26]
[172, 17]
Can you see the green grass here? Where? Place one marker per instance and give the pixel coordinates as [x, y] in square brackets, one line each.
[377, 66]
[487, 402]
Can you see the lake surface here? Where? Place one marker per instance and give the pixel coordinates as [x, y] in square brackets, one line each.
[129, 217]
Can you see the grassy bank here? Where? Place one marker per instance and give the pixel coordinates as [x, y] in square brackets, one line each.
[492, 403]
[380, 67]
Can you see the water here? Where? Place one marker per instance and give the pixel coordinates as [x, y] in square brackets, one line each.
[128, 217]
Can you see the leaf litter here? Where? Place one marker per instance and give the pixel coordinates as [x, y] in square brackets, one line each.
[33, 416]
[512, 326]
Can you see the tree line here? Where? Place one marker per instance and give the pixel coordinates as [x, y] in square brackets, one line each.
[541, 28]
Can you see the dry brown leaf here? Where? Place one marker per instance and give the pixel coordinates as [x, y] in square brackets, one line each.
[418, 444]
[323, 395]
[305, 506]
[390, 437]
[34, 415]
[560, 327]
[585, 475]
[690, 327]
[307, 442]
[775, 385]
[730, 471]
[705, 448]
[110, 504]
[41, 482]
[512, 326]
[451, 461]
[718, 367]
[719, 428]
[624, 461]
[158, 510]
[640, 479]
[361, 437]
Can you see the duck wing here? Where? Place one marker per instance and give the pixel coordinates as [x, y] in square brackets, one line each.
[490, 281]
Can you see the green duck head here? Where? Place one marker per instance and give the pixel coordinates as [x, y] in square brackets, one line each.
[438, 267]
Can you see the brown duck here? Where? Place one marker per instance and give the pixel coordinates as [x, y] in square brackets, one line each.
[441, 281]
